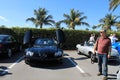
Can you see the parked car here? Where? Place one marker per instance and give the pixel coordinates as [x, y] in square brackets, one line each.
[87, 49]
[9, 45]
[116, 46]
[44, 49]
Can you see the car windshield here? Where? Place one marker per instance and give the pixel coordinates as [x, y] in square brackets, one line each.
[45, 42]
[88, 43]
[2, 38]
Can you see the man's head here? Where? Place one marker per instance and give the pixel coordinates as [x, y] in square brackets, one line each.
[114, 34]
[103, 33]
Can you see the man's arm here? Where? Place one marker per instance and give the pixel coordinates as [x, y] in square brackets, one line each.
[95, 47]
[109, 52]
[109, 49]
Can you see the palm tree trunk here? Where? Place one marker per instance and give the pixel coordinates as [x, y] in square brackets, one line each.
[41, 26]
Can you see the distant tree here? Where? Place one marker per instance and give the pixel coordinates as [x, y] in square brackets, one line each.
[75, 18]
[114, 4]
[57, 24]
[87, 29]
[109, 21]
[41, 18]
[118, 26]
[2, 26]
[94, 27]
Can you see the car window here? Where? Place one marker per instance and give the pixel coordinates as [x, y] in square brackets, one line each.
[45, 42]
[88, 43]
[9, 39]
[1, 38]
[13, 39]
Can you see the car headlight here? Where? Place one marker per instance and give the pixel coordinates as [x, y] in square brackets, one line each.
[59, 53]
[29, 53]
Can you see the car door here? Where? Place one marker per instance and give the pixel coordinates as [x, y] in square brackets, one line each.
[87, 49]
[27, 37]
[60, 36]
[13, 43]
[81, 48]
[84, 48]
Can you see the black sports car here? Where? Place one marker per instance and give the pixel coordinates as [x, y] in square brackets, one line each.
[9, 45]
[44, 49]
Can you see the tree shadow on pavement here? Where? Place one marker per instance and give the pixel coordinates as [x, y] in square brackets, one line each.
[4, 71]
[114, 63]
[66, 63]
[14, 58]
[81, 58]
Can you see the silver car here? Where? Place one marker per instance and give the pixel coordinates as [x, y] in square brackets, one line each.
[87, 49]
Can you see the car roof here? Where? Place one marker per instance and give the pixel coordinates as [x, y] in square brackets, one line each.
[45, 39]
[4, 35]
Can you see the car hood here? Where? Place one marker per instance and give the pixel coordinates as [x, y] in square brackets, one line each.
[114, 52]
[43, 49]
[115, 45]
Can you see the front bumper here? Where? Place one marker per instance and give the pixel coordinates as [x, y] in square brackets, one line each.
[38, 58]
[113, 58]
[2, 51]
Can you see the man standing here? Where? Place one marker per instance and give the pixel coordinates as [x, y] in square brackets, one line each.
[92, 40]
[114, 39]
[103, 48]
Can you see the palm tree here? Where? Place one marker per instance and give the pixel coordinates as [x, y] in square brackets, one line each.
[114, 4]
[57, 24]
[75, 18]
[109, 21]
[41, 18]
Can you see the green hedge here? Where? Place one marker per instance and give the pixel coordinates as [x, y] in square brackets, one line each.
[73, 37]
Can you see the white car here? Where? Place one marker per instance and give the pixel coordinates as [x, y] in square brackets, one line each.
[87, 49]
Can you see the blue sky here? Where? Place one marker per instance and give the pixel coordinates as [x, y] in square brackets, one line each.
[15, 12]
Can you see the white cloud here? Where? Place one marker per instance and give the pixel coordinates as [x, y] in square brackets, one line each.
[3, 18]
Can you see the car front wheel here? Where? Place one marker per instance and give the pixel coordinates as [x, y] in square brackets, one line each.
[27, 61]
[20, 48]
[78, 52]
[9, 53]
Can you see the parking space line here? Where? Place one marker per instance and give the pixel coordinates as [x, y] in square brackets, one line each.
[80, 69]
[16, 62]
[11, 66]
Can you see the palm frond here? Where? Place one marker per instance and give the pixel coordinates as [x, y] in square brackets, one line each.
[114, 4]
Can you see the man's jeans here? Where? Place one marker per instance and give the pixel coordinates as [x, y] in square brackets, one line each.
[102, 63]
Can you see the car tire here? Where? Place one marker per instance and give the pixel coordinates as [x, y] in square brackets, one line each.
[20, 48]
[9, 53]
[27, 61]
[79, 53]
[89, 55]
[60, 61]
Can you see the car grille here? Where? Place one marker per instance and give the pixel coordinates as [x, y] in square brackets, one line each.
[113, 57]
[43, 55]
